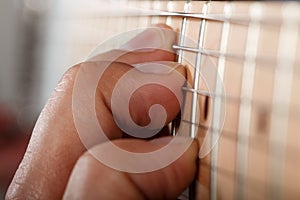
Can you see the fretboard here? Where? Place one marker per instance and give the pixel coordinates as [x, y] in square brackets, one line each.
[242, 105]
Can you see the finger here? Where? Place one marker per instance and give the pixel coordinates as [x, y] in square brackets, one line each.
[163, 88]
[153, 44]
[54, 146]
[92, 179]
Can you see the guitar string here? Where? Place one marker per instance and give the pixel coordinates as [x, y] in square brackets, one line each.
[231, 136]
[264, 60]
[253, 184]
[245, 111]
[243, 57]
[240, 193]
[196, 79]
[189, 193]
[241, 19]
[255, 103]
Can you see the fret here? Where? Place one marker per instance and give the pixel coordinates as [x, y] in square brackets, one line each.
[196, 77]
[170, 7]
[282, 92]
[194, 100]
[182, 32]
[216, 124]
[142, 20]
[255, 103]
[246, 92]
[156, 6]
[190, 190]
[179, 53]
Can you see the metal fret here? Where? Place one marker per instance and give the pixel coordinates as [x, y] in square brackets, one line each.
[156, 6]
[216, 124]
[182, 32]
[170, 9]
[179, 52]
[246, 92]
[194, 109]
[281, 94]
[197, 73]
[190, 189]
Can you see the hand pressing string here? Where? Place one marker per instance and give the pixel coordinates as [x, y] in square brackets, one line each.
[57, 165]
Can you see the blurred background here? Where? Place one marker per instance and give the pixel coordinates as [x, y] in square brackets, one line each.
[39, 40]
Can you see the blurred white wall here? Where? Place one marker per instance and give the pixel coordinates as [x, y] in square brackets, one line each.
[9, 50]
[41, 39]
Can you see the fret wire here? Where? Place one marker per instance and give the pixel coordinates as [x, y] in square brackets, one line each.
[179, 60]
[156, 6]
[170, 9]
[182, 32]
[282, 93]
[218, 101]
[179, 53]
[194, 108]
[246, 91]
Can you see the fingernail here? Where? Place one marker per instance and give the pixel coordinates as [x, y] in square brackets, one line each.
[174, 140]
[151, 39]
[158, 67]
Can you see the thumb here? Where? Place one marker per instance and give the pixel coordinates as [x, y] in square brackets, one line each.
[92, 179]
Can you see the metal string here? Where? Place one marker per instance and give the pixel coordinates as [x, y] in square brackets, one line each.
[255, 103]
[248, 100]
[266, 62]
[241, 19]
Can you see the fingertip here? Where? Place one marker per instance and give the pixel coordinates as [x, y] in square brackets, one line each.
[161, 25]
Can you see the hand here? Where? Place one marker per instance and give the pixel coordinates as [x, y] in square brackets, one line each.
[57, 164]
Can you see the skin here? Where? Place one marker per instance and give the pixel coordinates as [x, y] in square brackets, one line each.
[56, 164]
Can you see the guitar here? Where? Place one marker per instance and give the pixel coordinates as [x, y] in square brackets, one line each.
[250, 112]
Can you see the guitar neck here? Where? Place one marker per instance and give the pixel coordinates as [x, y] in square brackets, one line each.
[242, 104]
